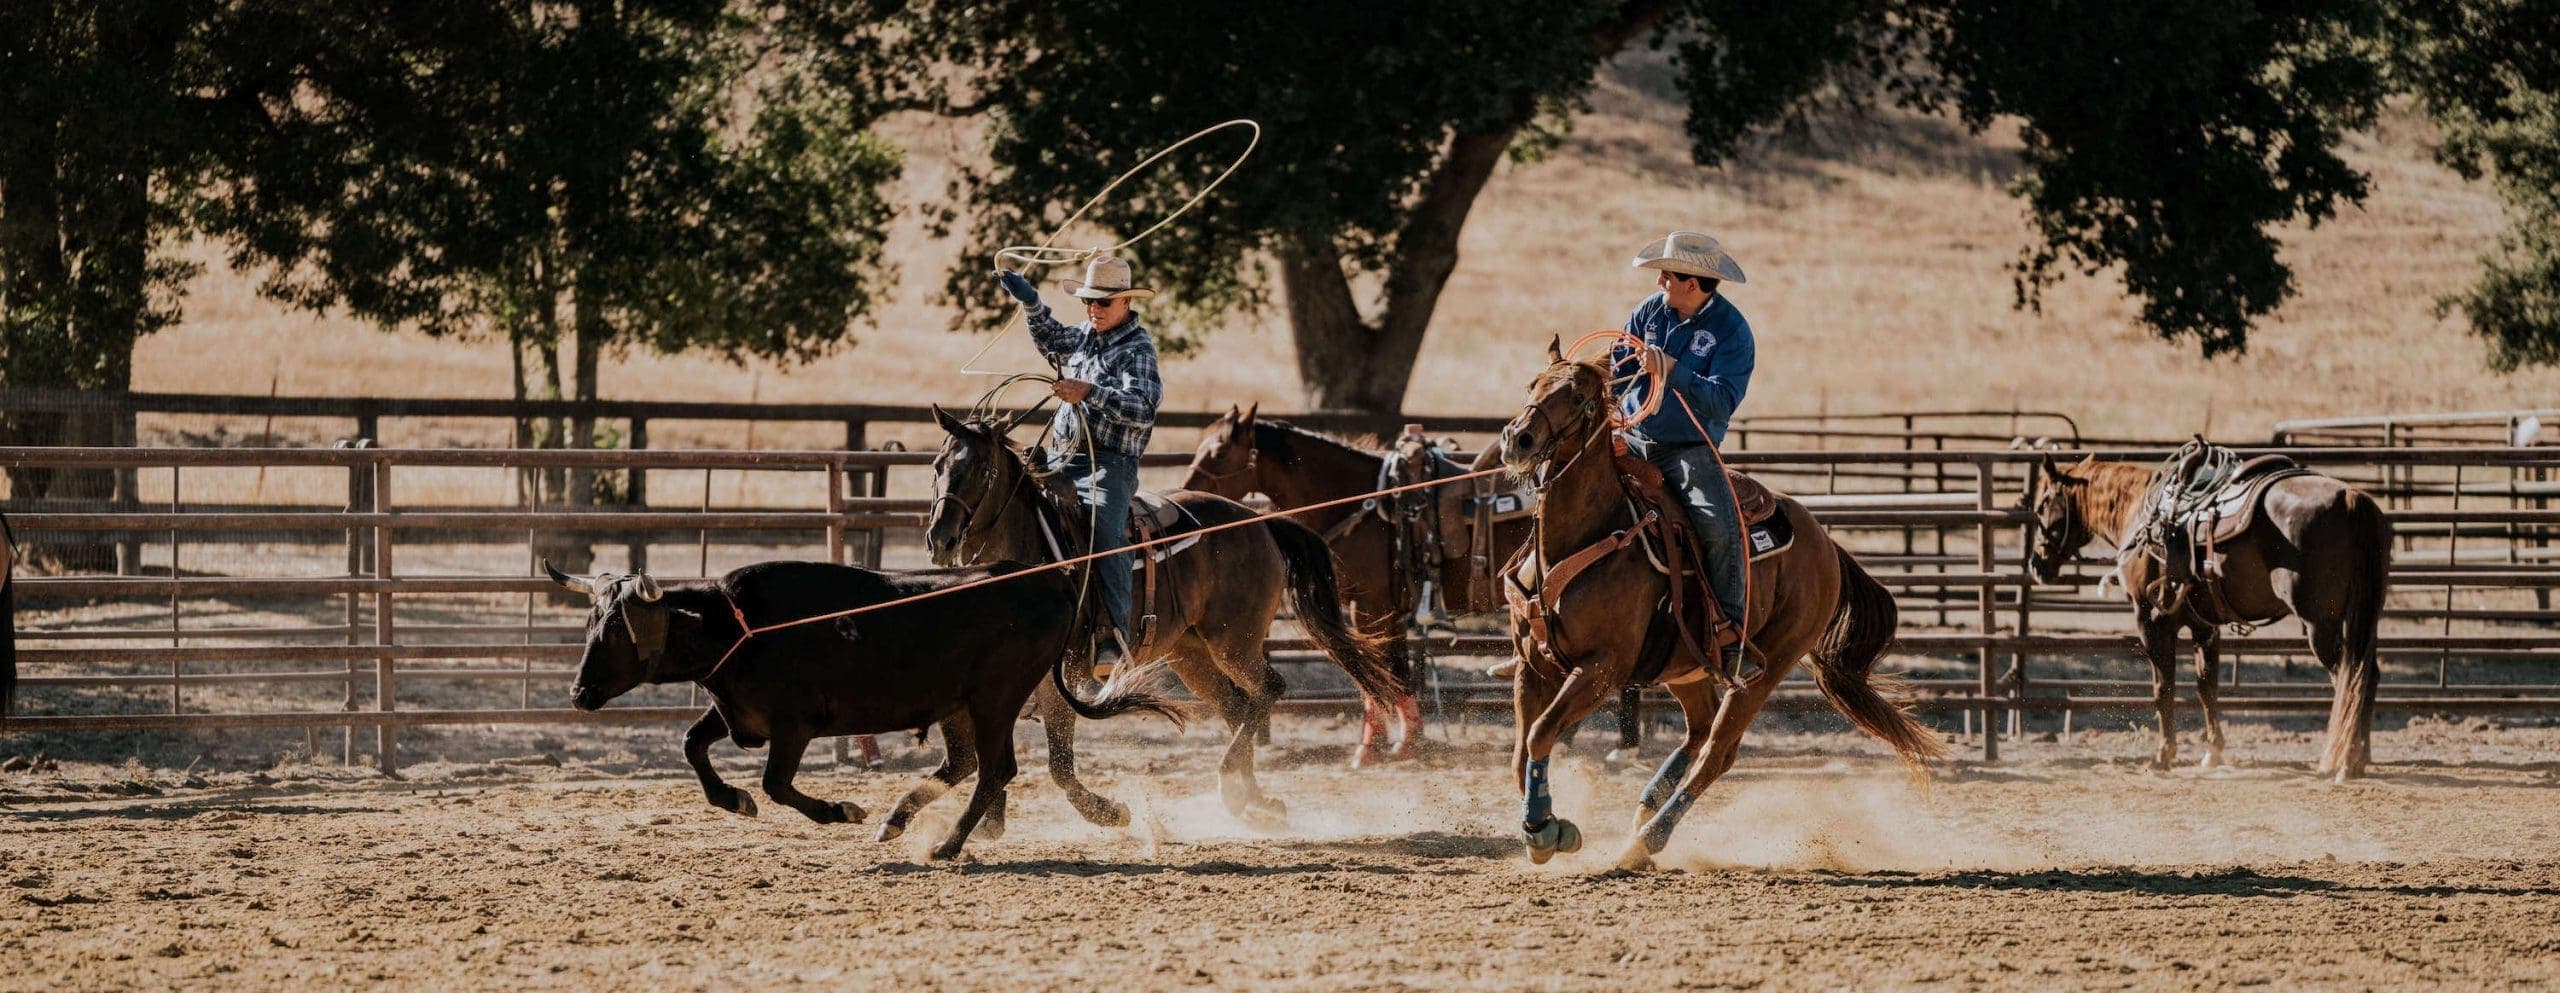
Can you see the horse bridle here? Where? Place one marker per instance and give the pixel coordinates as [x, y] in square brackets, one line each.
[971, 524]
[1581, 402]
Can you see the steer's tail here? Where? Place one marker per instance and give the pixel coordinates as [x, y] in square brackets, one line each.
[1130, 689]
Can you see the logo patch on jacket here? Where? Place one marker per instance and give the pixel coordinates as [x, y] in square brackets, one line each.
[1702, 344]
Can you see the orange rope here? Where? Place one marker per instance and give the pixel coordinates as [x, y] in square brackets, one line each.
[751, 632]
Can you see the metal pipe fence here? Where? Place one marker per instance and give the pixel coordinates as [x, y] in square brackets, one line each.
[412, 626]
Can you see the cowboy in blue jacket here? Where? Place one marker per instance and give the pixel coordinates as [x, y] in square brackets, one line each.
[1702, 345]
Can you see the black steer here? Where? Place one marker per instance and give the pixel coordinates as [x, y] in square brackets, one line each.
[966, 661]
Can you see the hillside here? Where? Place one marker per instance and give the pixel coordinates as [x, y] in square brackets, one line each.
[1879, 259]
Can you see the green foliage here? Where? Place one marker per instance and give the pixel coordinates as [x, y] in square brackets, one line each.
[2488, 71]
[662, 173]
[2168, 137]
[96, 147]
[1356, 103]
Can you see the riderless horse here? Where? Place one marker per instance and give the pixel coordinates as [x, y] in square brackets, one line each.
[1396, 552]
[2264, 541]
[1589, 615]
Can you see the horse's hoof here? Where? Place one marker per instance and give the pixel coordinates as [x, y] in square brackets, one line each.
[889, 831]
[1546, 840]
[1360, 757]
[2210, 761]
[744, 805]
[944, 853]
[1636, 859]
[851, 812]
[1113, 814]
[1619, 756]
[991, 828]
[1266, 814]
[1568, 837]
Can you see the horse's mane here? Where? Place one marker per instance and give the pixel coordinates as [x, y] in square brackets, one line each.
[1275, 436]
[2112, 491]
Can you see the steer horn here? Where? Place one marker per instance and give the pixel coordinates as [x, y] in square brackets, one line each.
[649, 591]
[578, 583]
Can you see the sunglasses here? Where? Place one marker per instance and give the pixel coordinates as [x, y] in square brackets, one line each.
[1091, 304]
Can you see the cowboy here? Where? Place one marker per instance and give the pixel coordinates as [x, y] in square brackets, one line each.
[1701, 347]
[1107, 391]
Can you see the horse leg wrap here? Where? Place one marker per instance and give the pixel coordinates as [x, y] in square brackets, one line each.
[1657, 832]
[1539, 808]
[1674, 769]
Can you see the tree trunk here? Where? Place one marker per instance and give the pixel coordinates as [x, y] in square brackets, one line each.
[1351, 365]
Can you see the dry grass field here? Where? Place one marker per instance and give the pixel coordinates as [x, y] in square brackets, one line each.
[1879, 282]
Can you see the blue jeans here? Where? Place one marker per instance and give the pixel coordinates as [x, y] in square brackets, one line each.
[1105, 481]
[1697, 481]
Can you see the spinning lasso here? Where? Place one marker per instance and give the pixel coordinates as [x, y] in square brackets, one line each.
[1044, 254]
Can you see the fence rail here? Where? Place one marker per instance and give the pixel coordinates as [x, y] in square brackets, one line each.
[1942, 530]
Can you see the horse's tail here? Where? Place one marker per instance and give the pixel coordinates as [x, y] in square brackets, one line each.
[1131, 689]
[1844, 664]
[2351, 712]
[1318, 597]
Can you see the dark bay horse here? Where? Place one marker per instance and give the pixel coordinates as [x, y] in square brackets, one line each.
[1215, 601]
[1377, 545]
[966, 661]
[2318, 549]
[1812, 599]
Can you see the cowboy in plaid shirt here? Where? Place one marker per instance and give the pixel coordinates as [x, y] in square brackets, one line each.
[1108, 390]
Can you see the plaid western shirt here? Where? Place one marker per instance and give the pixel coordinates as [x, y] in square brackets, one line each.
[1122, 368]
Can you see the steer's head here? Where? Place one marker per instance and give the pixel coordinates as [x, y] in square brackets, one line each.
[626, 635]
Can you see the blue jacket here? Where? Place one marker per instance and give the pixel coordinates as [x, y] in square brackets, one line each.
[1711, 367]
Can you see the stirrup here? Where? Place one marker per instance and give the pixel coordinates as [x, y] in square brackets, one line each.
[1102, 670]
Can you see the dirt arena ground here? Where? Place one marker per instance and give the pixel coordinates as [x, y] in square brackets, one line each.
[1818, 865]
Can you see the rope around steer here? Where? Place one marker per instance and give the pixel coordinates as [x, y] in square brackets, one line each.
[751, 632]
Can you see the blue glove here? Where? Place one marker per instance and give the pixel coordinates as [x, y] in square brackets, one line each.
[1020, 288]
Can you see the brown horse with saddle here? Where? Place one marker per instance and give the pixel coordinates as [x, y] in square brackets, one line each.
[1398, 551]
[1604, 596]
[2207, 541]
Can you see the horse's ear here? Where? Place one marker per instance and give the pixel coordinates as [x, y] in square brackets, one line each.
[1555, 348]
[2044, 466]
[950, 423]
[1249, 410]
[1235, 413]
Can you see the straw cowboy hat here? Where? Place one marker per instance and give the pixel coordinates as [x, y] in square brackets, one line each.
[1105, 278]
[1690, 253]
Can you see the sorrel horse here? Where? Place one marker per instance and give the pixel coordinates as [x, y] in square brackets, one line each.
[1383, 547]
[1215, 601]
[1812, 599]
[2315, 548]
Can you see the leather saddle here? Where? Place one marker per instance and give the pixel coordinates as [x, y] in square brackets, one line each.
[2236, 499]
[1691, 606]
[1152, 515]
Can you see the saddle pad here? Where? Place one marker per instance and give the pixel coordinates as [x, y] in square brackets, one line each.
[1769, 536]
[1505, 506]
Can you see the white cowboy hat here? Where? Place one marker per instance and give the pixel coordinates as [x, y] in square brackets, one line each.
[1693, 254]
[1105, 278]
